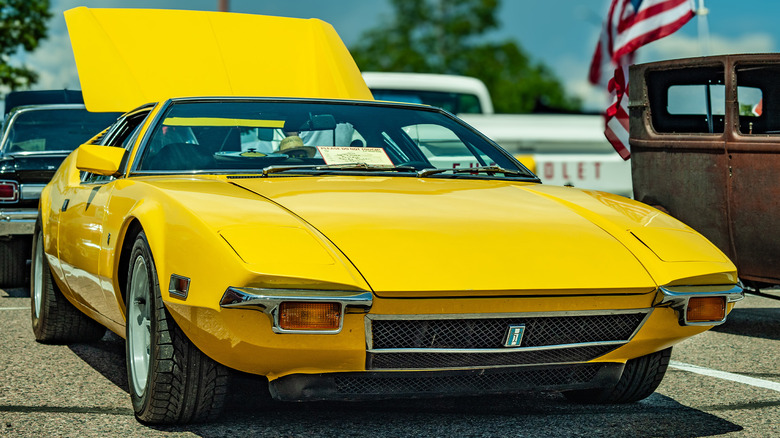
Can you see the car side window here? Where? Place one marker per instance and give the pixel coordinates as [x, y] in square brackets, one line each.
[123, 136]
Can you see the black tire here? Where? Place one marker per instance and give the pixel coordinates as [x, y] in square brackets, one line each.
[14, 253]
[641, 377]
[54, 319]
[170, 380]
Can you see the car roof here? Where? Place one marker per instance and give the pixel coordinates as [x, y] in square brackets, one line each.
[202, 53]
[41, 97]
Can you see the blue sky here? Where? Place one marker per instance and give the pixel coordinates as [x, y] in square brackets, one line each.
[559, 33]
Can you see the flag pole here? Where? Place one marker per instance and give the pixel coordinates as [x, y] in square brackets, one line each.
[704, 29]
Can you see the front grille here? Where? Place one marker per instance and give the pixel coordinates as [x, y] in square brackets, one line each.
[510, 381]
[546, 340]
[491, 332]
[479, 360]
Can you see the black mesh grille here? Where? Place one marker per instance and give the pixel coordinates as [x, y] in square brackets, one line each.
[490, 333]
[469, 383]
[477, 360]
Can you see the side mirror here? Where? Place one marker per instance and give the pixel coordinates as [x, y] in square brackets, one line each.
[102, 160]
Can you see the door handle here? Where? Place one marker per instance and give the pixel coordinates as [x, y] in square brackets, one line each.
[65, 205]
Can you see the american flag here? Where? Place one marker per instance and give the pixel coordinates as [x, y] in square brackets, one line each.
[630, 24]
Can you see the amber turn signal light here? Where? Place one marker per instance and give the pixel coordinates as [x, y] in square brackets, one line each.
[309, 316]
[703, 309]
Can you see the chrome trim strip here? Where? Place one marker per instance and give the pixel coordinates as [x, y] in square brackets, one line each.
[641, 324]
[18, 221]
[494, 350]
[268, 301]
[677, 297]
[407, 317]
[481, 367]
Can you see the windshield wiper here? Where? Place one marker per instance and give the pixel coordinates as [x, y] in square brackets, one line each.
[346, 166]
[490, 170]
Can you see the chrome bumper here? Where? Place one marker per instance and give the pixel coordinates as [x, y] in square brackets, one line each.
[677, 298]
[268, 301]
[18, 221]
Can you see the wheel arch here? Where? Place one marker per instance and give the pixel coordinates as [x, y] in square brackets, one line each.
[132, 228]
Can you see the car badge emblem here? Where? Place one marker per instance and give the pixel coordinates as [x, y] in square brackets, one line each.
[514, 336]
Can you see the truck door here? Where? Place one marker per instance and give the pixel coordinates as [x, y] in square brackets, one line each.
[705, 138]
[678, 144]
[753, 149]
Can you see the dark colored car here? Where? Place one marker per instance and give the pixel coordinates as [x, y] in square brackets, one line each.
[705, 146]
[40, 129]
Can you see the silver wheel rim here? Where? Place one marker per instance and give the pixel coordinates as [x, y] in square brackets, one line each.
[139, 325]
[38, 276]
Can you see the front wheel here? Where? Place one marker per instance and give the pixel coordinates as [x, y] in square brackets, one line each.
[170, 380]
[641, 377]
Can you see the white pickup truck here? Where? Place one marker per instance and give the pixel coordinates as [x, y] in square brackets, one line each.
[562, 149]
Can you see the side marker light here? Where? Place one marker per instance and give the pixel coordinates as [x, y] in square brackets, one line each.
[309, 316]
[179, 286]
[703, 309]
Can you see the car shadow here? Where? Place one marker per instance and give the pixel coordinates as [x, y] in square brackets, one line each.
[755, 322]
[17, 292]
[106, 356]
[537, 414]
[250, 411]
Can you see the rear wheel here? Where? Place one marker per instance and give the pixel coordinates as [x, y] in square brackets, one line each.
[640, 378]
[54, 319]
[170, 380]
[14, 252]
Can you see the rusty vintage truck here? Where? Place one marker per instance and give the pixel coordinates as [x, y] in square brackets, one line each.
[705, 147]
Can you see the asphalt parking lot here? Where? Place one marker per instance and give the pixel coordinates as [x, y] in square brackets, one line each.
[724, 382]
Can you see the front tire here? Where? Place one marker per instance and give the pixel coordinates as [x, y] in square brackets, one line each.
[641, 377]
[170, 380]
[54, 319]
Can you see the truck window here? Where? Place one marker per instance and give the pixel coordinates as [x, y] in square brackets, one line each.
[759, 96]
[690, 100]
[456, 103]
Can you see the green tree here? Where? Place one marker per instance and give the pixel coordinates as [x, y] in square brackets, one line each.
[447, 36]
[22, 26]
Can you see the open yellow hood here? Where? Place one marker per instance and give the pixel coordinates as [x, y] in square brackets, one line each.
[128, 57]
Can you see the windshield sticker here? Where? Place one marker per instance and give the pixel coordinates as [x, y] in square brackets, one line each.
[350, 155]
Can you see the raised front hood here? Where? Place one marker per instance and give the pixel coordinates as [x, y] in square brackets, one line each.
[129, 57]
[432, 237]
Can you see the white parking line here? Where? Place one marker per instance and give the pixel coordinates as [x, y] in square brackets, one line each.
[752, 381]
[14, 308]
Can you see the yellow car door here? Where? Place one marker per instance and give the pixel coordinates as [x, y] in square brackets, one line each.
[81, 237]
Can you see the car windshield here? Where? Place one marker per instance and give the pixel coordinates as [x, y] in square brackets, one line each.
[46, 130]
[324, 136]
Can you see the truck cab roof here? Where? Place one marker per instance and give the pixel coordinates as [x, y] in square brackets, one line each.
[383, 83]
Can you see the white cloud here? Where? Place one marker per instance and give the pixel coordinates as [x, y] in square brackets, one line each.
[672, 47]
[682, 46]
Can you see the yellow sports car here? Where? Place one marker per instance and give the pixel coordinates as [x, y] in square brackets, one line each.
[341, 247]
